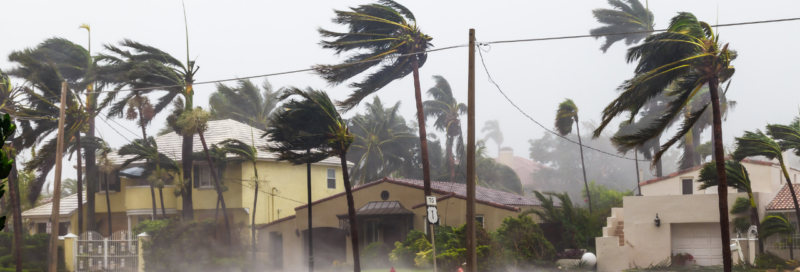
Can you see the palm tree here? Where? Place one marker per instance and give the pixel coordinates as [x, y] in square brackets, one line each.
[566, 116]
[495, 134]
[389, 33]
[195, 121]
[244, 103]
[491, 174]
[92, 109]
[148, 151]
[778, 224]
[247, 153]
[328, 131]
[759, 144]
[447, 111]
[788, 136]
[383, 142]
[625, 17]
[739, 179]
[690, 56]
[106, 167]
[10, 105]
[567, 215]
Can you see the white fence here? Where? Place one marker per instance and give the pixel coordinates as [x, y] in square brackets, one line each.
[117, 253]
[782, 242]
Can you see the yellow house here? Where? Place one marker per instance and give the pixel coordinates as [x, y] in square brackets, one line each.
[282, 187]
[387, 210]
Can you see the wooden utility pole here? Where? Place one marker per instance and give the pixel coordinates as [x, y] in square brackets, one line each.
[472, 257]
[52, 257]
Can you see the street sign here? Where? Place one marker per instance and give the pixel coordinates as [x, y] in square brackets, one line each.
[430, 200]
[49, 226]
[433, 216]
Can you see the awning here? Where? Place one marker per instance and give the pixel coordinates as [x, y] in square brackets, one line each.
[380, 208]
[133, 172]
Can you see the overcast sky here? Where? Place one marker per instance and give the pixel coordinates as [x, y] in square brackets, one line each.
[244, 38]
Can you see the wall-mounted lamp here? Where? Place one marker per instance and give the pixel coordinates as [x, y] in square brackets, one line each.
[657, 221]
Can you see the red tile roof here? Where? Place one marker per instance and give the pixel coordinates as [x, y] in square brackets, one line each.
[496, 205]
[684, 171]
[482, 195]
[783, 200]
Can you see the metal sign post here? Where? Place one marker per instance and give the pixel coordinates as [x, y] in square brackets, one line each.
[433, 218]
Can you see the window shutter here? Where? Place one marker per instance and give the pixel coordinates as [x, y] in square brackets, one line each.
[195, 176]
[116, 186]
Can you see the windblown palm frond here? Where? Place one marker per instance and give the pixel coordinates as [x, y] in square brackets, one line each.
[495, 134]
[244, 103]
[626, 16]
[139, 150]
[297, 130]
[566, 116]
[757, 144]
[775, 224]
[737, 175]
[788, 136]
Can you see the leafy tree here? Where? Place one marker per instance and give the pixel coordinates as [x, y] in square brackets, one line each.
[778, 224]
[495, 134]
[739, 179]
[627, 16]
[245, 103]
[525, 239]
[491, 174]
[383, 142]
[248, 153]
[566, 116]
[377, 31]
[195, 121]
[690, 56]
[447, 111]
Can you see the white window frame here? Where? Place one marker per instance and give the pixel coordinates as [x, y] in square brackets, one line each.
[483, 219]
[328, 180]
[205, 177]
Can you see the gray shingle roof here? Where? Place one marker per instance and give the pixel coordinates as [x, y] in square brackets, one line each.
[67, 206]
[218, 131]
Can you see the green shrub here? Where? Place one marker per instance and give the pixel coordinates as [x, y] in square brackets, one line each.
[375, 255]
[192, 246]
[490, 252]
[6, 261]
[769, 260]
[404, 253]
[524, 240]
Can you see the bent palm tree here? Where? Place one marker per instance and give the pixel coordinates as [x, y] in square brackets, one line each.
[447, 111]
[759, 144]
[244, 103]
[690, 56]
[247, 153]
[495, 134]
[154, 160]
[566, 116]
[195, 121]
[630, 17]
[387, 31]
[778, 224]
[739, 179]
[383, 142]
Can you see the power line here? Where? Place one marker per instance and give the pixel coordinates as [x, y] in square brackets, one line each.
[632, 32]
[480, 52]
[240, 183]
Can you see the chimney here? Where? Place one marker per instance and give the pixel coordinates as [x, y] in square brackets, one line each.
[506, 156]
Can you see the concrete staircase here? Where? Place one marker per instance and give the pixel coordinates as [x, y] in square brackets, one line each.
[615, 226]
[620, 232]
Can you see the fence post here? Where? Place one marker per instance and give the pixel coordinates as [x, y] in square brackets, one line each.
[105, 253]
[69, 251]
[139, 250]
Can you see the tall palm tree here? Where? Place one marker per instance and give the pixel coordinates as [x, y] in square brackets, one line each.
[383, 142]
[327, 131]
[739, 179]
[148, 151]
[625, 17]
[447, 111]
[92, 109]
[106, 167]
[495, 134]
[10, 105]
[689, 55]
[392, 40]
[759, 144]
[244, 103]
[566, 116]
[248, 153]
[195, 121]
[778, 224]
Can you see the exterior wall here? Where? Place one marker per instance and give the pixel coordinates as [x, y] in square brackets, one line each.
[139, 198]
[290, 181]
[293, 259]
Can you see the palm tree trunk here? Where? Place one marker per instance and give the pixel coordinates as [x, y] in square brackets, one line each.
[351, 212]
[161, 196]
[218, 187]
[450, 159]
[91, 171]
[696, 142]
[80, 183]
[144, 137]
[754, 220]
[659, 166]
[423, 140]
[186, 191]
[216, 211]
[310, 220]
[153, 197]
[108, 206]
[13, 184]
[253, 221]
[722, 188]
[791, 189]
[688, 149]
[583, 165]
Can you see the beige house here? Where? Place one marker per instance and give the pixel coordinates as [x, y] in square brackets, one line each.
[387, 210]
[688, 218]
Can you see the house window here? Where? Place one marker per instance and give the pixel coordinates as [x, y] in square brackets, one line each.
[331, 178]
[201, 176]
[112, 179]
[479, 218]
[371, 231]
[687, 186]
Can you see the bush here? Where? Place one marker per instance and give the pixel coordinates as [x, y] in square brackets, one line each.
[769, 260]
[404, 253]
[524, 240]
[192, 246]
[490, 252]
[375, 255]
[570, 254]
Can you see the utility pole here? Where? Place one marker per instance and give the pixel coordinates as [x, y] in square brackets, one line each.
[53, 254]
[472, 256]
[638, 178]
[310, 229]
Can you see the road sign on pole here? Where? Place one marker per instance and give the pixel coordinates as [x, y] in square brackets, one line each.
[433, 216]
